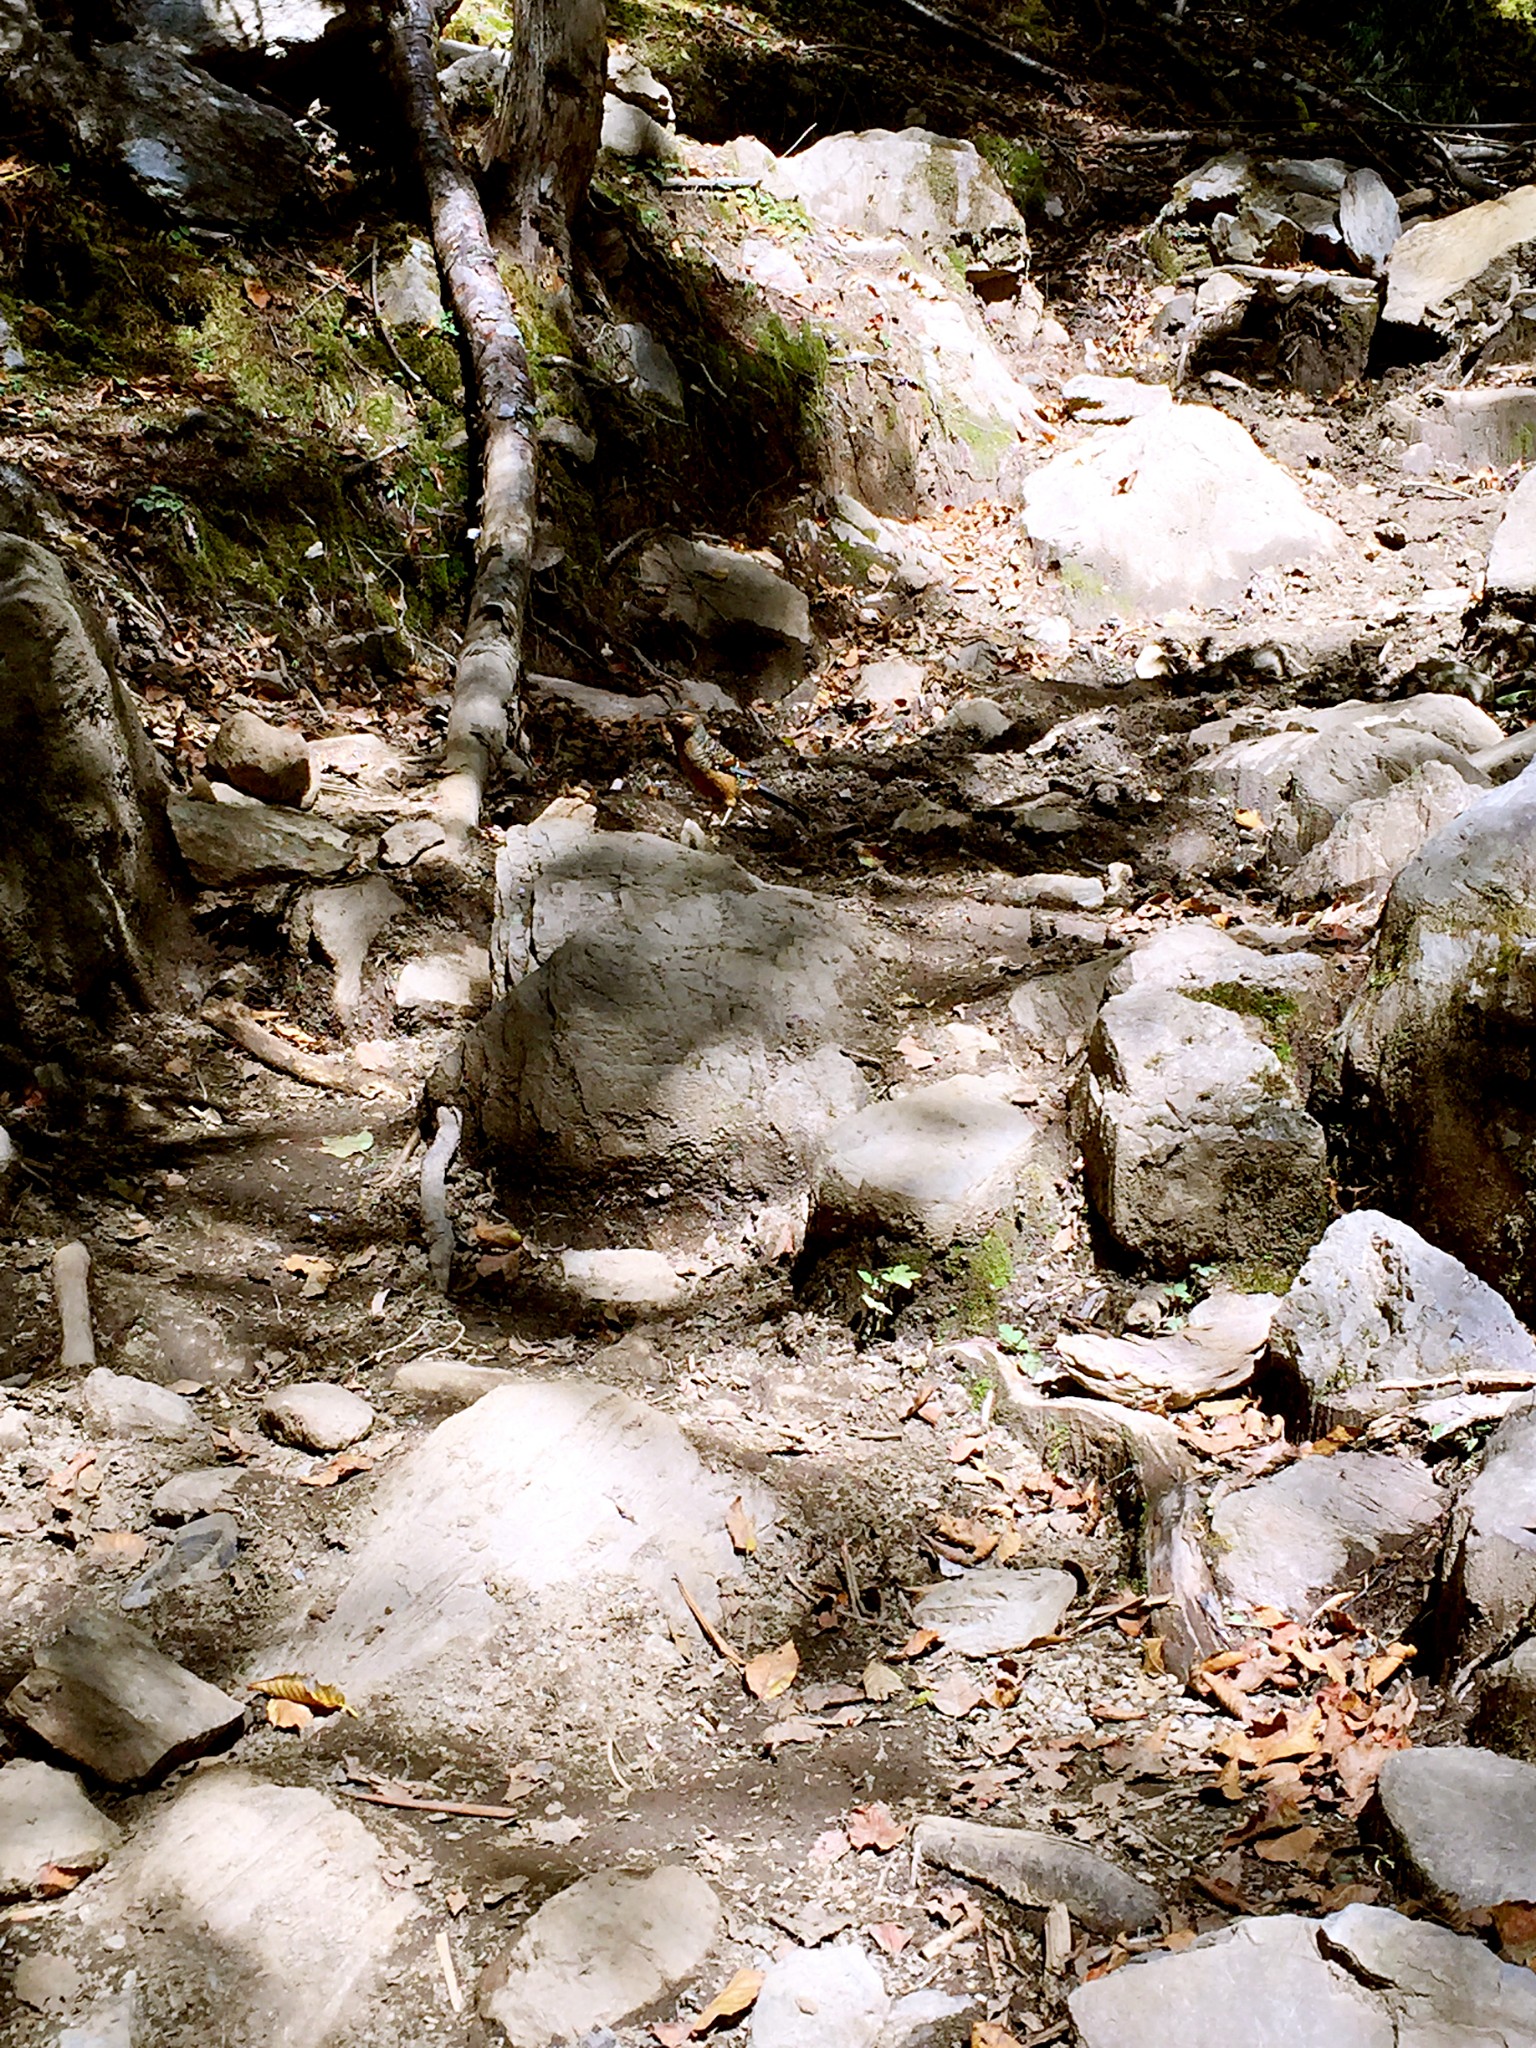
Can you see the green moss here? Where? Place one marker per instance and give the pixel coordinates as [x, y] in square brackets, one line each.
[1020, 166]
[1257, 1276]
[1271, 1007]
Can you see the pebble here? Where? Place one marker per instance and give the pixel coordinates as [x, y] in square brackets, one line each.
[316, 1415]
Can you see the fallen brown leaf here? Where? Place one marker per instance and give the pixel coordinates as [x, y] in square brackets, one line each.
[1298, 1846]
[318, 1275]
[992, 2034]
[890, 1936]
[740, 1527]
[295, 1687]
[881, 1683]
[918, 1644]
[875, 1827]
[771, 1672]
[737, 1997]
[345, 1465]
[456, 1901]
[957, 1696]
[796, 1728]
[289, 1714]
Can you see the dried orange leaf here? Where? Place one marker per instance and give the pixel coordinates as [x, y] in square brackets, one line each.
[875, 1827]
[258, 294]
[1249, 821]
[293, 1685]
[1391, 1661]
[289, 1714]
[505, 1236]
[992, 2034]
[772, 1672]
[738, 1997]
[889, 1935]
[1516, 1923]
[918, 1644]
[740, 1527]
[1295, 1847]
[344, 1465]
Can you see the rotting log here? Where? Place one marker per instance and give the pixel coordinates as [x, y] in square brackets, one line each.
[484, 721]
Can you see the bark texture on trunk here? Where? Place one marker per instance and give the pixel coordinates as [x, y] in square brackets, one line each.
[484, 720]
[552, 117]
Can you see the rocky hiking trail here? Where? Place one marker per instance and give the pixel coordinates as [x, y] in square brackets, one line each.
[904, 1422]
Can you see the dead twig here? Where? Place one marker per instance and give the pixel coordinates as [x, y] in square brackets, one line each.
[234, 1022]
[77, 1348]
[712, 1635]
[466, 1809]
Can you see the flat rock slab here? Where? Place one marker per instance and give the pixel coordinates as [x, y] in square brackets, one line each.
[101, 1694]
[622, 1277]
[1195, 1144]
[1490, 1592]
[271, 1888]
[821, 1998]
[48, 1826]
[599, 1951]
[1293, 1538]
[1216, 1350]
[118, 1404]
[988, 1613]
[1363, 1978]
[316, 1415]
[447, 1380]
[210, 1490]
[549, 1505]
[1037, 1869]
[1378, 1318]
[1463, 1823]
[1178, 508]
[1433, 263]
[229, 843]
[940, 1163]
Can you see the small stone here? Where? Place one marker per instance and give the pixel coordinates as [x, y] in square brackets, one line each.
[627, 1278]
[1037, 1869]
[46, 1982]
[446, 1380]
[1060, 892]
[200, 1551]
[316, 1415]
[652, 369]
[459, 980]
[101, 1694]
[821, 1998]
[407, 841]
[1463, 1822]
[894, 684]
[987, 1613]
[116, 1404]
[602, 1949]
[978, 718]
[212, 1490]
[47, 1825]
[269, 762]
[941, 1163]
[228, 843]
[631, 132]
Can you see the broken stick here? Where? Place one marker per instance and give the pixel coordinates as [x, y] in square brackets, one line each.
[234, 1022]
[77, 1348]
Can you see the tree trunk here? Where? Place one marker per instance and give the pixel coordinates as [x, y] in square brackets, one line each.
[552, 117]
[484, 720]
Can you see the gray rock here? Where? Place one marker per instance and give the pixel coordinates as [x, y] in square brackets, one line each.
[927, 190]
[47, 1823]
[1368, 219]
[891, 684]
[316, 1415]
[117, 1404]
[227, 843]
[1511, 570]
[741, 607]
[1490, 1591]
[1053, 1013]
[344, 922]
[1363, 1978]
[1378, 1318]
[649, 367]
[1434, 264]
[86, 862]
[101, 1694]
[1179, 508]
[977, 718]
[195, 148]
[201, 1551]
[1037, 1869]
[457, 979]
[174, 1339]
[409, 294]
[1062, 892]
[1471, 430]
[988, 1612]
[821, 1998]
[627, 1277]
[211, 1490]
[631, 132]
[1437, 1088]
[447, 1381]
[274, 1887]
[940, 1163]
[1505, 1719]
[598, 1952]
[1302, 778]
[1195, 1144]
[1371, 843]
[268, 762]
[1462, 1822]
[1297, 1536]
[405, 843]
[1504, 762]
[550, 1505]
[677, 1011]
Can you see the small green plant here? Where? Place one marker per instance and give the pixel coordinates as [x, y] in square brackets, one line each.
[1013, 1339]
[882, 1284]
[1053, 1452]
[160, 502]
[980, 1386]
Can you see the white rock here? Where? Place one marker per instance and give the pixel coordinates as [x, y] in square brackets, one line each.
[1369, 219]
[1370, 844]
[989, 1612]
[601, 1950]
[46, 1820]
[1512, 558]
[828, 1997]
[458, 980]
[116, 1404]
[345, 921]
[892, 684]
[1436, 260]
[316, 1415]
[627, 1277]
[408, 291]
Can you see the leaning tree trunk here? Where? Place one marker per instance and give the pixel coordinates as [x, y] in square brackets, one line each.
[551, 118]
[484, 719]
[558, 101]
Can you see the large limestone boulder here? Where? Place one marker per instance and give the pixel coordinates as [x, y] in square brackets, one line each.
[663, 1007]
[1374, 840]
[931, 190]
[1438, 1081]
[1301, 777]
[1438, 267]
[1195, 1143]
[87, 865]
[1489, 1596]
[1178, 508]
[277, 28]
[1380, 1319]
